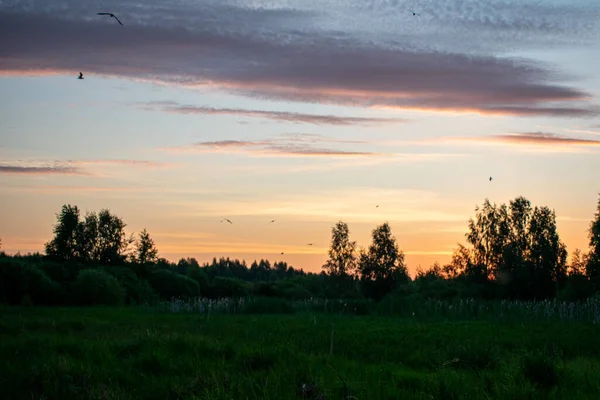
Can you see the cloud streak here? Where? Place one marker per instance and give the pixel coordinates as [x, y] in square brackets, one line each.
[280, 116]
[539, 139]
[68, 167]
[284, 54]
[41, 170]
[290, 145]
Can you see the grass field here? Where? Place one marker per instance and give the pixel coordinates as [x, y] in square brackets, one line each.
[151, 353]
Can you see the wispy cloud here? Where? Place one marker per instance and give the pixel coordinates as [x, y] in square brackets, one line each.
[301, 52]
[524, 141]
[291, 145]
[281, 116]
[39, 170]
[541, 139]
[133, 163]
[67, 167]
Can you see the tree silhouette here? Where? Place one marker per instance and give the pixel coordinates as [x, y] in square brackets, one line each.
[342, 252]
[547, 255]
[87, 238]
[146, 251]
[112, 241]
[382, 267]
[578, 263]
[98, 238]
[593, 263]
[63, 247]
[519, 246]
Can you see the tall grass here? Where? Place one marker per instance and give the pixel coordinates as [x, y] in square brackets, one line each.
[547, 311]
[126, 353]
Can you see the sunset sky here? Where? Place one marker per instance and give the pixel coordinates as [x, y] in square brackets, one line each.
[303, 111]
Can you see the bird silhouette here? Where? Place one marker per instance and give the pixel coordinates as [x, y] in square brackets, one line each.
[414, 13]
[309, 244]
[226, 219]
[282, 253]
[80, 76]
[272, 221]
[112, 15]
[490, 178]
[377, 206]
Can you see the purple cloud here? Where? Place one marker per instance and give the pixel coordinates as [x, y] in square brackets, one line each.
[283, 54]
[291, 145]
[68, 167]
[282, 116]
[45, 170]
[541, 138]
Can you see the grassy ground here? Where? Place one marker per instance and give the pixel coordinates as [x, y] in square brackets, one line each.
[133, 353]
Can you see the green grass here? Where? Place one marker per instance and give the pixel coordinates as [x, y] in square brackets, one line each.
[140, 353]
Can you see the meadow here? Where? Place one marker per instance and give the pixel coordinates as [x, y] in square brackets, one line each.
[312, 349]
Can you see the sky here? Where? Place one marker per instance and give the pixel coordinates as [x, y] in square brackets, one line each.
[307, 112]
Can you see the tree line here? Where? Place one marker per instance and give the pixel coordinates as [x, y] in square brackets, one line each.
[512, 252]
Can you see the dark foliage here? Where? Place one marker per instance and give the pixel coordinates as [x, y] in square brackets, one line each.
[515, 253]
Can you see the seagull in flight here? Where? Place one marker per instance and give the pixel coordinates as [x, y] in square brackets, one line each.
[112, 15]
[80, 76]
[414, 13]
[226, 219]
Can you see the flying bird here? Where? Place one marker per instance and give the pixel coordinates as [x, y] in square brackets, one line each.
[309, 244]
[272, 221]
[414, 13]
[490, 178]
[80, 76]
[112, 15]
[225, 219]
[377, 206]
[282, 252]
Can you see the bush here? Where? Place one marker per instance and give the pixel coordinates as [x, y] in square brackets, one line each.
[169, 284]
[199, 276]
[19, 280]
[137, 291]
[228, 287]
[93, 287]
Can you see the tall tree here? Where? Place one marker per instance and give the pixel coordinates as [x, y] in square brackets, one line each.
[519, 246]
[578, 263]
[112, 240]
[342, 252]
[63, 246]
[547, 254]
[87, 237]
[593, 263]
[146, 251]
[382, 267]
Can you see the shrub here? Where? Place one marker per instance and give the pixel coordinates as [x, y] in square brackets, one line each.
[169, 284]
[94, 286]
[199, 276]
[137, 291]
[228, 287]
[19, 279]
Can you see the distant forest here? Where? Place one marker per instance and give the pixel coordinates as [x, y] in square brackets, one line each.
[512, 252]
